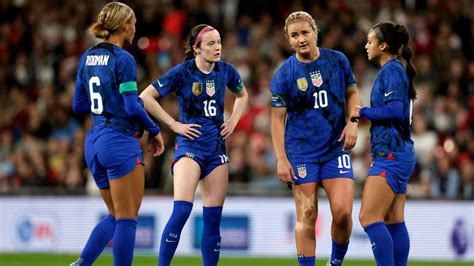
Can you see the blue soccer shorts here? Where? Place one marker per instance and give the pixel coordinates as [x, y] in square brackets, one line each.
[397, 173]
[110, 154]
[340, 167]
[207, 163]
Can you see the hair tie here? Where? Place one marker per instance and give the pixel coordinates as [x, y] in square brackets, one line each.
[199, 36]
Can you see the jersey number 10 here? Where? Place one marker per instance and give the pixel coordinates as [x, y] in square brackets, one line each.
[320, 99]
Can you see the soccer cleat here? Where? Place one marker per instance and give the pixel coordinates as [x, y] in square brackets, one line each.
[329, 263]
[77, 262]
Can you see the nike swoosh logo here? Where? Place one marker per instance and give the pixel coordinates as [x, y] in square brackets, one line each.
[343, 172]
[159, 83]
[170, 241]
[216, 250]
[388, 93]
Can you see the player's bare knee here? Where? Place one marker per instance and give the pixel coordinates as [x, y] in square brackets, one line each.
[309, 216]
[342, 216]
[366, 218]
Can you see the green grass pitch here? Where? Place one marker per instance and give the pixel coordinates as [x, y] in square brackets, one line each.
[38, 259]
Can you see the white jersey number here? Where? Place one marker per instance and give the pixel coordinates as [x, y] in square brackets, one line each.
[210, 108]
[411, 112]
[96, 100]
[344, 161]
[320, 99]
[224, 158]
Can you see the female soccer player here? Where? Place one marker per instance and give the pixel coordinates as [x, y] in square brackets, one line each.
[200, 154]
[311, 136]
[393, 155]
[106, 87]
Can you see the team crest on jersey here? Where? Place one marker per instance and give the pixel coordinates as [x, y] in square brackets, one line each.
[316, 78]
[210, 87]
[197, 88]
[302, 84]
[302, 170]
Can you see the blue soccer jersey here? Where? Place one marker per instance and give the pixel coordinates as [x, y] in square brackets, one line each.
[315, 95]
[201, 101]
[105, 72]
[392, 136]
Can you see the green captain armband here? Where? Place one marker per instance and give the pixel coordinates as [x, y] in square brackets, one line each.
[239, 87]
[351, 86]
[128, 86]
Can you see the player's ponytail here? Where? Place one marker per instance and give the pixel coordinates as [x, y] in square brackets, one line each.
[407, 54]
[111, 17]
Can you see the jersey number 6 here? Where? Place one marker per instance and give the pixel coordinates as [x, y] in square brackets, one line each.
[96, 100]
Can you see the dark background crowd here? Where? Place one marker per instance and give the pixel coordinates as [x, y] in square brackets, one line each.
[41, 150]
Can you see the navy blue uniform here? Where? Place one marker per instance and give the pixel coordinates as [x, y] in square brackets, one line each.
[201, 101]
[392, 147]
[314, 94]
[105, 75]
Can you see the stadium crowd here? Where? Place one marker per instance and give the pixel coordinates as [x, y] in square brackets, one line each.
[41, 148]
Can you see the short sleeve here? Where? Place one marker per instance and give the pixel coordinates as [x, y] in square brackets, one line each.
[394, 84]
[279, 88]
[168, 82]
[126, 68]
[349, 79]
[234, 82]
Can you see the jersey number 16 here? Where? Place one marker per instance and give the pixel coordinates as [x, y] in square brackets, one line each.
[210, 108]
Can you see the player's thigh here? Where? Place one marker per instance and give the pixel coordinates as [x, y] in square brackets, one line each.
[340, 192]
[306, 200]
[127, 192]
[396, 212]
[377, 197]
[107, 197]
[214, 186]
[186, 172]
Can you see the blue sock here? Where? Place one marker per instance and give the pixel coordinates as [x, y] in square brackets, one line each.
[98, 239]
[124, 241]
[401, 243]
[172, 231]
[338, 253]
[382, 243]
[211, 239]
[307, 261]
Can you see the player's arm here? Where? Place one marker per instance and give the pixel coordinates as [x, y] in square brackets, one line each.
[149, 96]
[349, 133]
[278, 117]
[240, 105]
[80, 100]
[392, 98]
[352, 99]
[135, 110]
[393, 110]
[284, 170]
